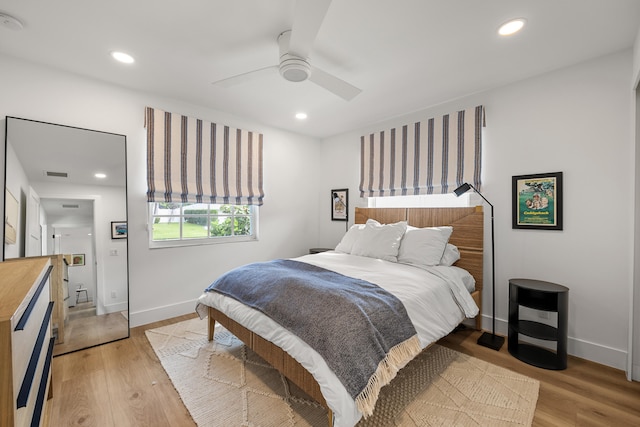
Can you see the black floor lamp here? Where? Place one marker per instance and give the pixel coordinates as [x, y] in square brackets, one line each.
[487, 339]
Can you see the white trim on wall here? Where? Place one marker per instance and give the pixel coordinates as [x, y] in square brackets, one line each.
[633, 359]
[146, 316]
[598, 353]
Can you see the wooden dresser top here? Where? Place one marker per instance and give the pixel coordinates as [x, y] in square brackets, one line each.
[16, 278]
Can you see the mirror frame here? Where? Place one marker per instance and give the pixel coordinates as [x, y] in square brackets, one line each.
[126, 206]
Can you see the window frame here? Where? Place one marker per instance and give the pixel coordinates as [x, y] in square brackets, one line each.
[198, 241]
[447, 200]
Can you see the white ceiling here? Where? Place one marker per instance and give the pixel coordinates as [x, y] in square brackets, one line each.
[405, 55]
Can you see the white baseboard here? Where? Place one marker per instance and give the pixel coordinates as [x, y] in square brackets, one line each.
[616, 358]
[114, 308]
[143, 317]
[608, 356]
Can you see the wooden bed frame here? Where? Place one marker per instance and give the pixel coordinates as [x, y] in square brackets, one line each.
[468, 233]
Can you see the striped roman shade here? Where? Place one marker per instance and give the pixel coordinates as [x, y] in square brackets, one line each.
[192, 160]
[433, 156]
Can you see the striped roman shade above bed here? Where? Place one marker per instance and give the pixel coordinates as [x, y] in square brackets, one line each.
[194, 161]
[433, 156]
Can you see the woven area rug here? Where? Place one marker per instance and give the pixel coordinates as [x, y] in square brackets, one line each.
[224, 384]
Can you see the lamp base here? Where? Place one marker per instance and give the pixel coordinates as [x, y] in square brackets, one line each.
[490, 340]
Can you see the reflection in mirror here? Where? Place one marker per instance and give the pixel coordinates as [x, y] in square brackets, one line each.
[64, 210]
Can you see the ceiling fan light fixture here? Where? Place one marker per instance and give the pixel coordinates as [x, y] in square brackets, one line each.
[295, 69]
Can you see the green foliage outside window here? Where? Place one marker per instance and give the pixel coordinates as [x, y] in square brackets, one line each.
[197, 222]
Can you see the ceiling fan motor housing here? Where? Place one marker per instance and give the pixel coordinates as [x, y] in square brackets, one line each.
[294, 69]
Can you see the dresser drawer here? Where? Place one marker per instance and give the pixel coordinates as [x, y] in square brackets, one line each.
[32, 320]
[35, 377]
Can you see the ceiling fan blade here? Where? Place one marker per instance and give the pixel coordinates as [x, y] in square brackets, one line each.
[333, 84]
[245, 77]
[307, 19]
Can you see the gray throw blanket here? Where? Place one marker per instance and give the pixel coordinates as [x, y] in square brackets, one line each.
[362, 331]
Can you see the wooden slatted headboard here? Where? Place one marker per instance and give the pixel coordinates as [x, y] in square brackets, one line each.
[468, 234]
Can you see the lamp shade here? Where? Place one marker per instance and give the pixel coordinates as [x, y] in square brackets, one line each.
[462, 189]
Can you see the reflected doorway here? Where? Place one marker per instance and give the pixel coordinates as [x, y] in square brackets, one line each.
[69, 226]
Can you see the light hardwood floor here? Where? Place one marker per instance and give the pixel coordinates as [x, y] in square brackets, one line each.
[86, 331]
[123, 384]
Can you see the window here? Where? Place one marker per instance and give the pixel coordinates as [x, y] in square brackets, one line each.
[182, 224]
[424, 201]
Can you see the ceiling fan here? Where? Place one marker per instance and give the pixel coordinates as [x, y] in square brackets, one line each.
[295, 46]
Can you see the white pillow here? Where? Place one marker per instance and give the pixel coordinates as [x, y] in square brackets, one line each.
[423, 247]
[450, 256]
[350, 237]
[380, 241]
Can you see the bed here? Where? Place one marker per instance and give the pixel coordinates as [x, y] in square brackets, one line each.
[304, 367]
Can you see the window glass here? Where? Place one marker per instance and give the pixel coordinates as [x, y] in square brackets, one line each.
[178, 224]
[423, 201]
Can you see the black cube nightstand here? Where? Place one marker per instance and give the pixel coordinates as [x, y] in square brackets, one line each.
[545, 296]
[318, 250]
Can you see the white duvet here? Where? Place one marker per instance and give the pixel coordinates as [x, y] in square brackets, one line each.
[436, 301]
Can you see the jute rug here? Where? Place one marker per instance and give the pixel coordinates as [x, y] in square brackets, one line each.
[224, 384]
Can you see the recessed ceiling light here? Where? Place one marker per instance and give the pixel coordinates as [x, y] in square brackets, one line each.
[301, 116]
[511, 27]
[100, 175]
[122, 57]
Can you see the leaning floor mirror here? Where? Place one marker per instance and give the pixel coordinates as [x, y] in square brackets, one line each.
[66, 199]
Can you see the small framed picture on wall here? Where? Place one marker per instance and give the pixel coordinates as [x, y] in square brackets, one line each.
[77, 260]
[537, 201]
[340, 205]
[118, 229]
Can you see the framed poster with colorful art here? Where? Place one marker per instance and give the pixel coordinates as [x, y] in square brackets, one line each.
[537, 201]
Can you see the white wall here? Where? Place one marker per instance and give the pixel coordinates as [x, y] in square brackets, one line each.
[166, 282]
[575, 120]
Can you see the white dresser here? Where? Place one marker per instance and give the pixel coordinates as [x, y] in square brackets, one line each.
[26, 342]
